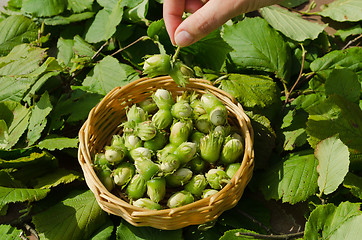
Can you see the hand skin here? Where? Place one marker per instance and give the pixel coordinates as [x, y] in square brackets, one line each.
[206, 16]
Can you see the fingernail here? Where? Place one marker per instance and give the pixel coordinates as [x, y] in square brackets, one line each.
[183, 39]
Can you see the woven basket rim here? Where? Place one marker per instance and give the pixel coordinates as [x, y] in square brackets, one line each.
[115, 205]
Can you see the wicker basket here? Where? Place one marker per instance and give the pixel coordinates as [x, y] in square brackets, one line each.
[103, 121]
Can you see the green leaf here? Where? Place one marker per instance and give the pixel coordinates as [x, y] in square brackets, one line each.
[131, 3]
[79, 5]
[40, 8]
[60, 176]
[288, 119]
[307, 101]
[12, 195]
[6, 180]
[293, 129]
[264, 138]
[136, 53]
[333, 116]
[258, 46]
[73, 107]
[47, 80]
[354, 183]
[108, 74]
[349, 58]
[23, 60]
[31, 167]
[76, 217]
[333, 157]
[58, 143]
[15, 30]
[16, 117]
[291, 24]
[26, 161]
[251, 91]
[295, 138]
[130, 232]
[104, 24]
[15, 3]
[108, 4]
[345, 83]
[350, 230]
[7, 232]
[82, 48]
[65, 51]
[156, 28]
[292, 180]
[38, 119]
[292, 3]
[326, 221]
[157, 32]
[16, 153]
[137, 13]
[105, 232]
[4, 210]
[19, 71]
[64, 20]
[4, 134]
[14, 92]
[27, 168]
[317, 83]
[343, 10]
[235, 234]
[200, 53]
[346, 32]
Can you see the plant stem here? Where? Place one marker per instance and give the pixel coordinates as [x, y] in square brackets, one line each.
[22, 236]
[287, 94]
[312, 5]
[262, 236]
[285, 91]
[99, 50]
[31, 230]
[352, 41]
[129, 45]
[177, 52]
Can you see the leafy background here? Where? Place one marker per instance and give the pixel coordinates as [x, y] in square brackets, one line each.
[295, 67]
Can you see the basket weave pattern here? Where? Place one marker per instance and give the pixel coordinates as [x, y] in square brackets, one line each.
[103, 122]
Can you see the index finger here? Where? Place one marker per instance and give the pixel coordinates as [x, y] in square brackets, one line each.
[172, 15]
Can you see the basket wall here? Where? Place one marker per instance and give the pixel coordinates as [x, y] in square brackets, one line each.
[103, 121]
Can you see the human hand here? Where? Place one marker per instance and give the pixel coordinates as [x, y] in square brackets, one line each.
[207, 15]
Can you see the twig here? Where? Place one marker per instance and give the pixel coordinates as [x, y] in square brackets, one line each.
[22, 236]
[177, 52]
[352, 41]
[304, 13]
[31, 230]
[40, 33]
[129, 45]
[299, 77]
[99, 50]
[286, 92]
[268, 230]
[312, 5]
[263, 236]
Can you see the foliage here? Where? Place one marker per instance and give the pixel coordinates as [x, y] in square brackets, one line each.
[300, 86]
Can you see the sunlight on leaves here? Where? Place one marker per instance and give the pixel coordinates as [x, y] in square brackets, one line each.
[333, 157]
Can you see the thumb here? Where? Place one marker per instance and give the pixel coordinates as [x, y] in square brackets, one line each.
[205, 20]
[211, 16]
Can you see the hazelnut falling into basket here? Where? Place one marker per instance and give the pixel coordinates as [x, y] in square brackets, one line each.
[161, 155]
